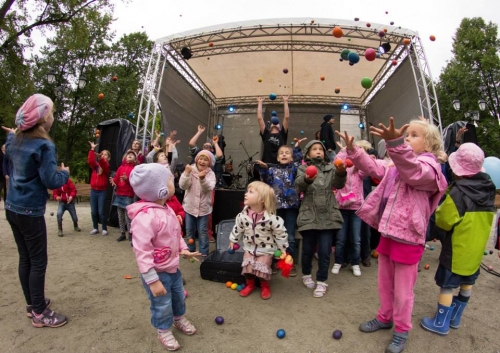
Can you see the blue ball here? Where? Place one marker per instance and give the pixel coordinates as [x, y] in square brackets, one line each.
[130, 115]
[302, 132]
[272, 96]
[353, 57]
[219, 320]
[92, 110]
[274, 113]
[337, 334]
[239, 288]
[275, 120]
[231, 251]
[280, 333]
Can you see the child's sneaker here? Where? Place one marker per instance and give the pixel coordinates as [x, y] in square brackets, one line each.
[168, 340]
[29, 308]
[94, 231]
[308, 281]
[320, 289]
[185, 326]
[104, 232]
[356, 271]
[49, 318]
[293, 271]
[336, 268]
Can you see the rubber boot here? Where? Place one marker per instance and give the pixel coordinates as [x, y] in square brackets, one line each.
[457, 310]
[265, 289]
[440, 323]
[59, 228]
[245, 292]
[75, 225]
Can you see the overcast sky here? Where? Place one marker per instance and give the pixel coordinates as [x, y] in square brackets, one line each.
[441, 18]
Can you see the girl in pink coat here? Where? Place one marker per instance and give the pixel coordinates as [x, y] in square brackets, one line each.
[400, 207]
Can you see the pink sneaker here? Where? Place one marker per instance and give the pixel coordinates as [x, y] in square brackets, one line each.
[168, 340]
[185, 326]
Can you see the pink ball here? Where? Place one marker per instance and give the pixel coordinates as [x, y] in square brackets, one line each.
[311, 171]
[236, 246]
[185, 294]
[370, 54]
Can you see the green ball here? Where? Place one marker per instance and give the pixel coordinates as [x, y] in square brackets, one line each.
[344, 54]
[366, 82]
[277, 253]
[485, 253]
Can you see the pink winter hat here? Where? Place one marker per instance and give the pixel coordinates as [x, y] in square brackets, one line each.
[149, 181]
[467, 160]
[35, 108]
[208, 154]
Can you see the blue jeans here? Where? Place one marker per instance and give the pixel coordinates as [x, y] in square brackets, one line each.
[289, 216]
[165, 307]
[197, 223]
[366, 238]
[323, 238]
[97, 202]
[352, 228]
[30, 234]
[63, 207]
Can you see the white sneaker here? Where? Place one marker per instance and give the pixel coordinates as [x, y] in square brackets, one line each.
[356, 270]
[336, 268]
[94, 231]
[105, 232]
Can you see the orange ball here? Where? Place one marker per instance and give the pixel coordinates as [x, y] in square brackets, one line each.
[100, 96]
[210, 44]
[114, 78]
[338, 162]
[385, 30]
[432, 38]
[375, 254]
[191, 241]
[407, 41]
[322, 78]
[337, 32]
[229, 284]
[427, 266]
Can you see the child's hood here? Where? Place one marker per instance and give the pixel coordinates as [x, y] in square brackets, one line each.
[308, 146]
[139, 206]
[479, 188]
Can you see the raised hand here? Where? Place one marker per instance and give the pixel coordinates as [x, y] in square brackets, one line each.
[201, 128]
[388, 132]
[285, 98]
[64, 168]
[188, 169]
[92, 145]
[203, 173]
[260, 99]
[9, 130]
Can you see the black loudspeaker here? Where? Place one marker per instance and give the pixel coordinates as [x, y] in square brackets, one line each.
[116, 137]
[227, 204]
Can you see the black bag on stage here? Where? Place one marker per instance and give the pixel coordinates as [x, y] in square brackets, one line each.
[219, 265]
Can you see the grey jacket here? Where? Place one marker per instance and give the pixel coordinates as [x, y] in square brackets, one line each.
[319, 208]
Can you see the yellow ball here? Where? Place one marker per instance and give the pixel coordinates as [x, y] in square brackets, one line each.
[234, 285]
[260, 80]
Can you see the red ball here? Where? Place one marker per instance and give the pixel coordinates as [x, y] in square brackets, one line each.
[370, 54]
[311, 171]
[432, 38]
[236, 246]
[394, 62]
[348, 163]
[114, 78]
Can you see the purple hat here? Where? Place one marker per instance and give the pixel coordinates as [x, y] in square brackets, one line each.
[467, 160]
[149, 181]
[35, 108]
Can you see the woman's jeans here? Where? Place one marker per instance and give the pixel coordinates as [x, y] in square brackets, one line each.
[197, 223]
[289, 216]
[350, 228]
[30, 234]
[97, 209]
[323, 238]
[165, 307]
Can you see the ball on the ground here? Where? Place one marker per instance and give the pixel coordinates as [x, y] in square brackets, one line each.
[491, 252]
[229, 284]
[234, 286]
[239, 288]
[427, 266]
[185, 294]
[431, 247]
[490, 268]
[191, 260]
[485, 253]
[272, 96]
[219, 320]
[337, 334]
[280, 333]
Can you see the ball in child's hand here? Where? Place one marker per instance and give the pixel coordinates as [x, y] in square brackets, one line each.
[281, 333]
[348, 163]
[277, 253]
[219, 320]
[337, 334]
[338, 162]
[236, 246]
[230, 251]
[311, 171]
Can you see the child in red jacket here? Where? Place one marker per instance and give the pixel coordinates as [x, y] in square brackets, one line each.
[124, 194]
[99, 163]
[66, 195]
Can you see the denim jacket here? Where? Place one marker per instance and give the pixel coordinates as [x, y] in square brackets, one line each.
[34, 170]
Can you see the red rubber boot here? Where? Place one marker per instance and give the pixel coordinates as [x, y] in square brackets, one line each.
[245, 292]
[265, 290]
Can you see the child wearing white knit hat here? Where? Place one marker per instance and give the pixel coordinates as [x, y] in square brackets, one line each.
[158, 244]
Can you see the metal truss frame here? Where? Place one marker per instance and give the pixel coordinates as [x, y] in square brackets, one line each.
[295, 99]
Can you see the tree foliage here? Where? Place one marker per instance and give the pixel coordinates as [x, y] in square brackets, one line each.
[473, 74]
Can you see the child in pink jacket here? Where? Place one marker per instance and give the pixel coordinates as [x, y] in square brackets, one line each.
[400, 207]
[158, 245]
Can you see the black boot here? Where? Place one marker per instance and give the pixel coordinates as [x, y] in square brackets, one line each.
[75, 224]
[121, 238]
[59, 228]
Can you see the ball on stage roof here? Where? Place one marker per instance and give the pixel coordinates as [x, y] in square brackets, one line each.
[386, 12]
[432, 38]
[353, 57]
[356, 18]
[381, 34]
[274, 113]
[368, 24]
[272, 96]
[344, 54]
[385, 30]
[337, 334]
[366, 82]
[259, 80]
[377, 55]
[322, 78]
[285, 71]
[219, 320]
[370, 54]
[407, 41]
[337, 90]
[280, 333]
[311, 171]
[337, 32]
[210, 44]
[492, 167]
[275, 120]
[100, 96]
[236, 246]
[394, 62]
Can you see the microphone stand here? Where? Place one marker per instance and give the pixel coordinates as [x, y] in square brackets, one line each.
[248, 160]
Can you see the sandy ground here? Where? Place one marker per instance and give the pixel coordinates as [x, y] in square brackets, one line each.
[108, 313]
